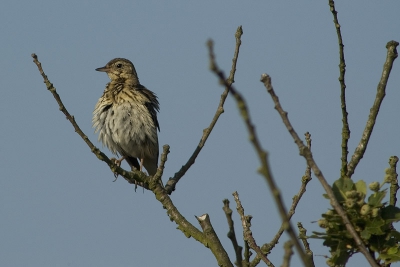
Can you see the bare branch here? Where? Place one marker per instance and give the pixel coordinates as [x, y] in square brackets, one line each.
[380, 94]
[303, 238]
[266, 248]
[342, 70]
[160, 169]
[262, 154]
[306, 153]
[394, 183]
[247, 254]
[296, 199]
[288, 249]
[171, 184]
[213, 241]
[231, 234]
[247, 234]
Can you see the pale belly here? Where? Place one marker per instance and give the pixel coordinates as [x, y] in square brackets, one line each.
[127, 130]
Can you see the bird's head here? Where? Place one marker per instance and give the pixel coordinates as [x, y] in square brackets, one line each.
[120, 68]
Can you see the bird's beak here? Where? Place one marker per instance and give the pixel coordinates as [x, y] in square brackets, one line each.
[103, 69]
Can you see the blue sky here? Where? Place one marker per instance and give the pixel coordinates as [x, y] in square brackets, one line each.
[58, 204]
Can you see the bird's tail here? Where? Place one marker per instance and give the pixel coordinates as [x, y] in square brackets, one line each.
[133, 162]
[150, 165]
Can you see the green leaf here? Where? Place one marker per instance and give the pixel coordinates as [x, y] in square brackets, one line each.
[375, 200]
[392, 255]
[390, 214]
[330, 242]
[316, 237]
[340, 187]
[341, 254]
[361, 186]
[377, 243]
[365, 234]
[374, 226]
[393, 250]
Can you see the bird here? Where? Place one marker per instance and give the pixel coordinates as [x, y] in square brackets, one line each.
[125, 117]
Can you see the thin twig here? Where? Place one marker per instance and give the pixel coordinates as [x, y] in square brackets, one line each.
[171, 184]
[288, 249]
[262, 154]
[231, 234]
[296, 199]
[306, 153]
[307, 174]
[247, 234]
[380, 94]
[394, 183]
[303, 238]
[247, 254]
[160, 170]
[342, 70]
[266, 248]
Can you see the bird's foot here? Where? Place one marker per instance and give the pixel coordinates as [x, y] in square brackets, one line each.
[118, 163]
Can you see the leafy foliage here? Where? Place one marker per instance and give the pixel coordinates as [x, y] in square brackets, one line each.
[372, 219]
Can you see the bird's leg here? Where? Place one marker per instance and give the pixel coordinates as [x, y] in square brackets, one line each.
[118, 163]
[141, 164]
[141, 167]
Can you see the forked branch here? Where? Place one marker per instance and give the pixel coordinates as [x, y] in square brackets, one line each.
[306, 153]
[262, 154]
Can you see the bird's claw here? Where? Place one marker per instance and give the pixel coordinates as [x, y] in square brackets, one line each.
[118, 163]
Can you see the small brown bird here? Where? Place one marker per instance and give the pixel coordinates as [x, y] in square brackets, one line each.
[126, 117]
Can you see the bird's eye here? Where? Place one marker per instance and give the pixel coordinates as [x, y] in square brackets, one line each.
[119, 65]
